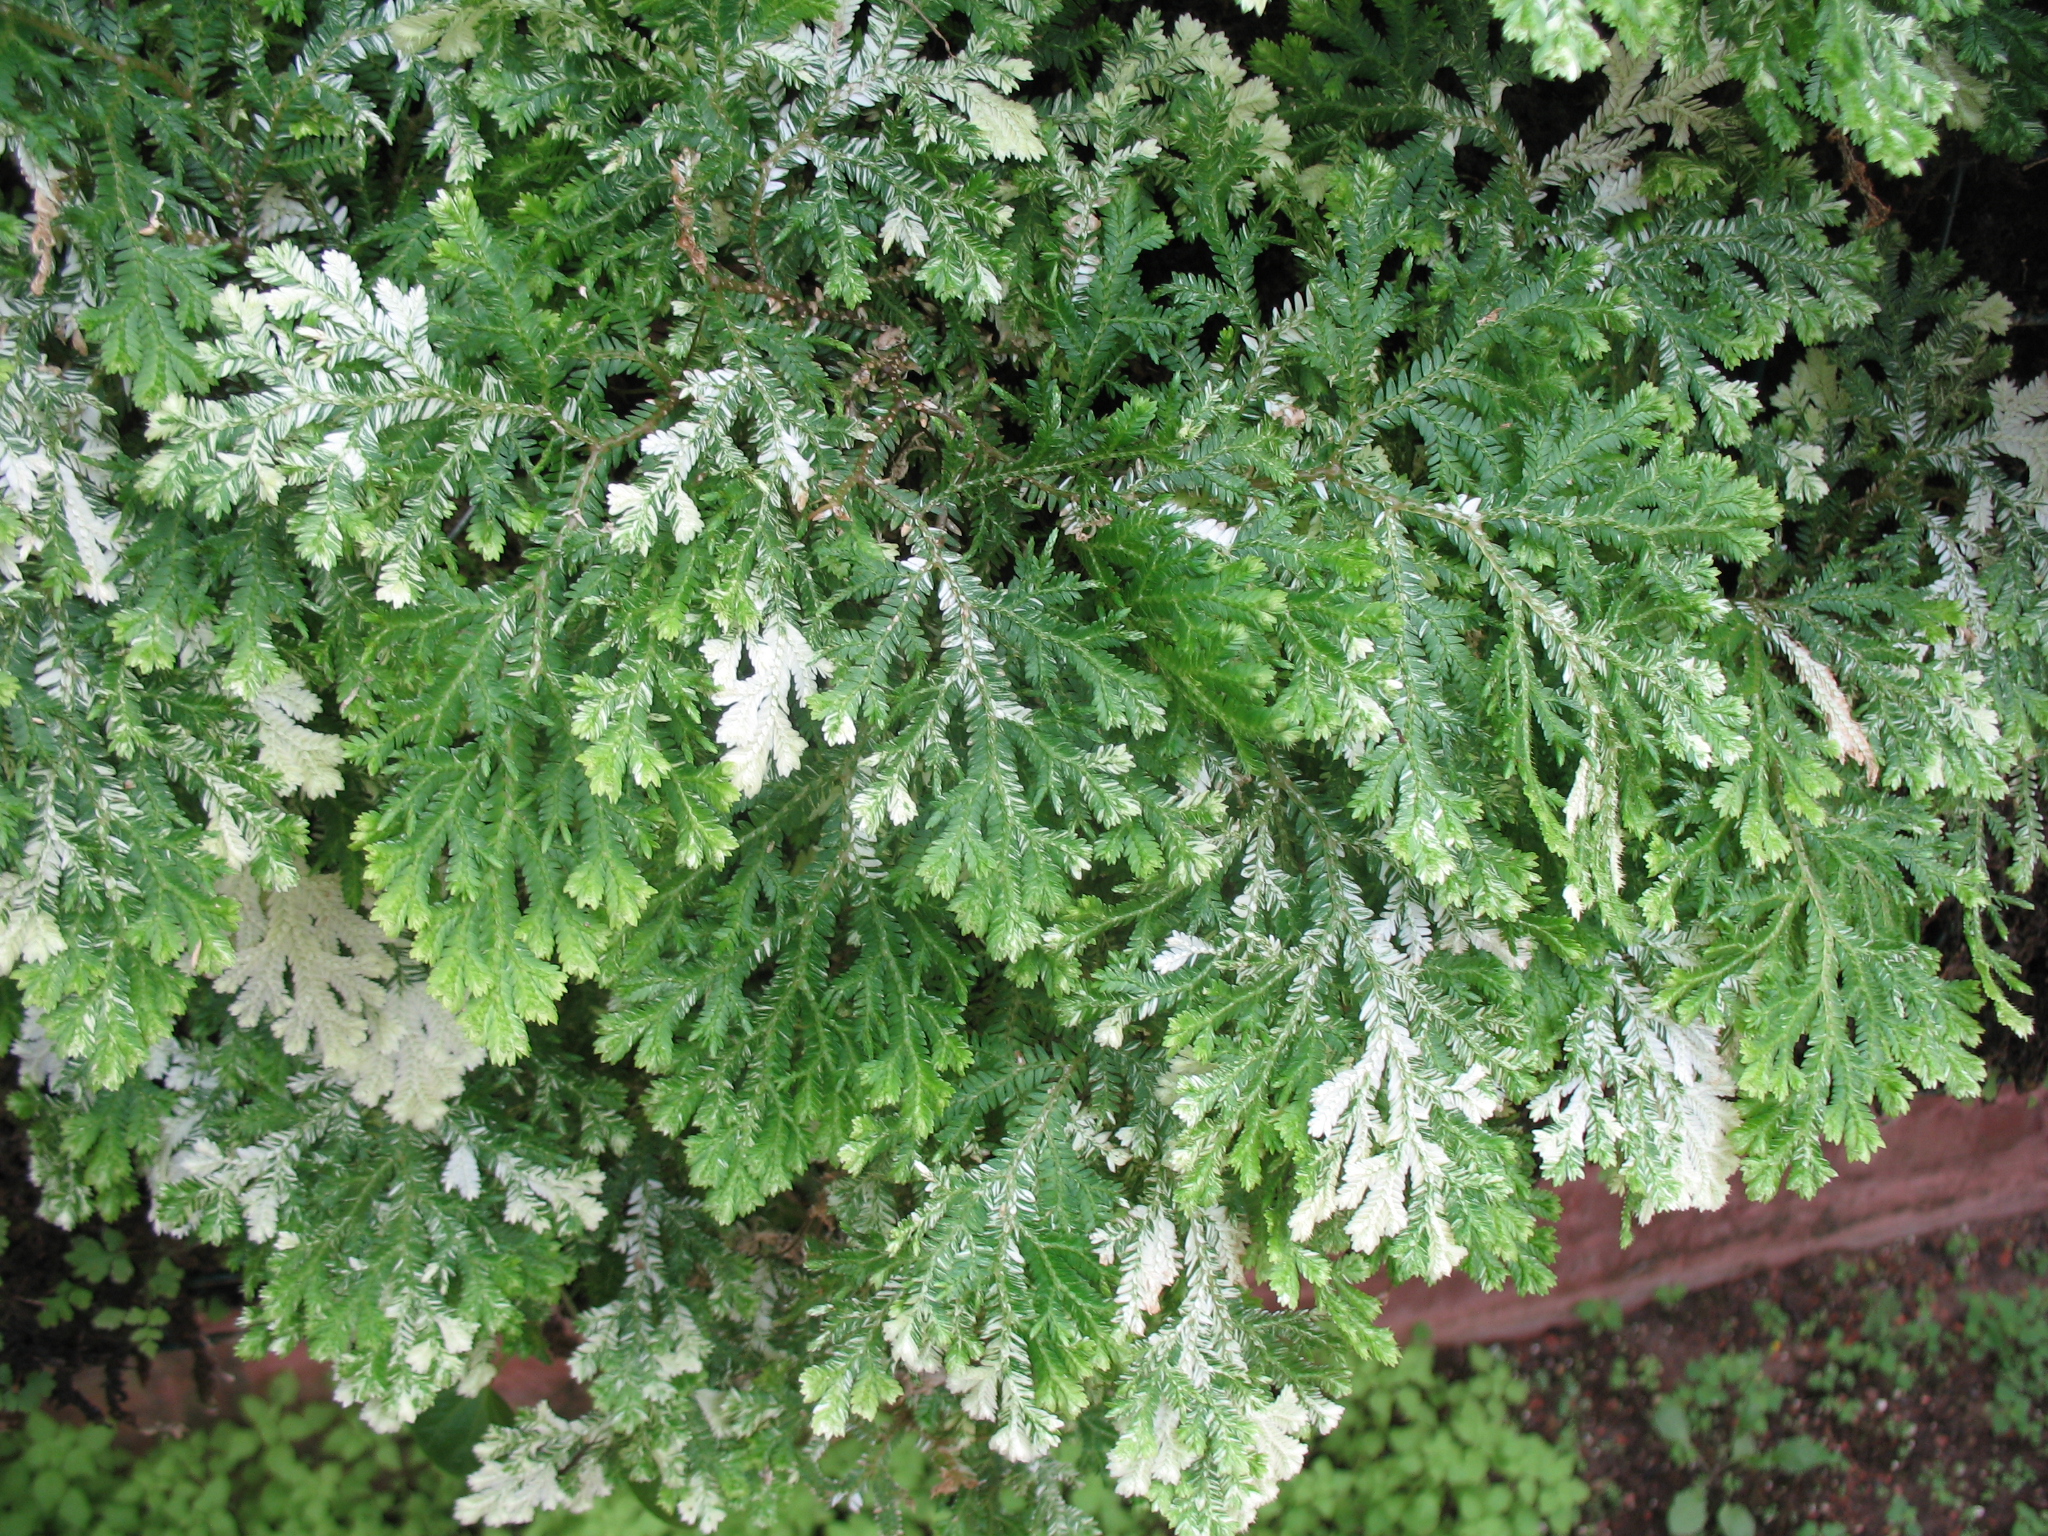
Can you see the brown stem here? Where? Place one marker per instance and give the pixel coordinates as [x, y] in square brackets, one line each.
[1856, 178]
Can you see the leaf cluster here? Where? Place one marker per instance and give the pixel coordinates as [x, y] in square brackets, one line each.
[1015, 685]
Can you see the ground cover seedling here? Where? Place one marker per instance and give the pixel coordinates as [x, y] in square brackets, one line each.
[1722, 1424]
[1901, 1390]
[1421, 1450]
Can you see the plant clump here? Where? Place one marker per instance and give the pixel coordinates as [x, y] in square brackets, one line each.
[876, 701]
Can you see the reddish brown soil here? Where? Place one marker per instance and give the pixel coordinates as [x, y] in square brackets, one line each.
[1933, 1446]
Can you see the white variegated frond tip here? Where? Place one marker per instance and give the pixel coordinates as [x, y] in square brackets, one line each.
[1619, 191]
[1091, 1138]
[1580, 802]
[335, 957]
[28, 933]
[660, 497]
[979, 1388]
[1144, 1244]
[755, 727]
[1007, 126]
[1826, 692]
[39, 1064]
[461, 1175]
[1155, 1453]
[1178, 951]
[1458, 931]
[1025, 1440]
[1382, 1157]
[538, 1463]
[1195, 1397]
[95, 537]
[1644, 1096]
[1803, 480]
[549, 1199]
[902, 230]
[998, 1389]
[227, 837]
[414, 1059]
[322, 973]
[306, 761]
[2019, 424]
[54, 472]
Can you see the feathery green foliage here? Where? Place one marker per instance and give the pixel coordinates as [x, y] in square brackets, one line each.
[980, 676]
